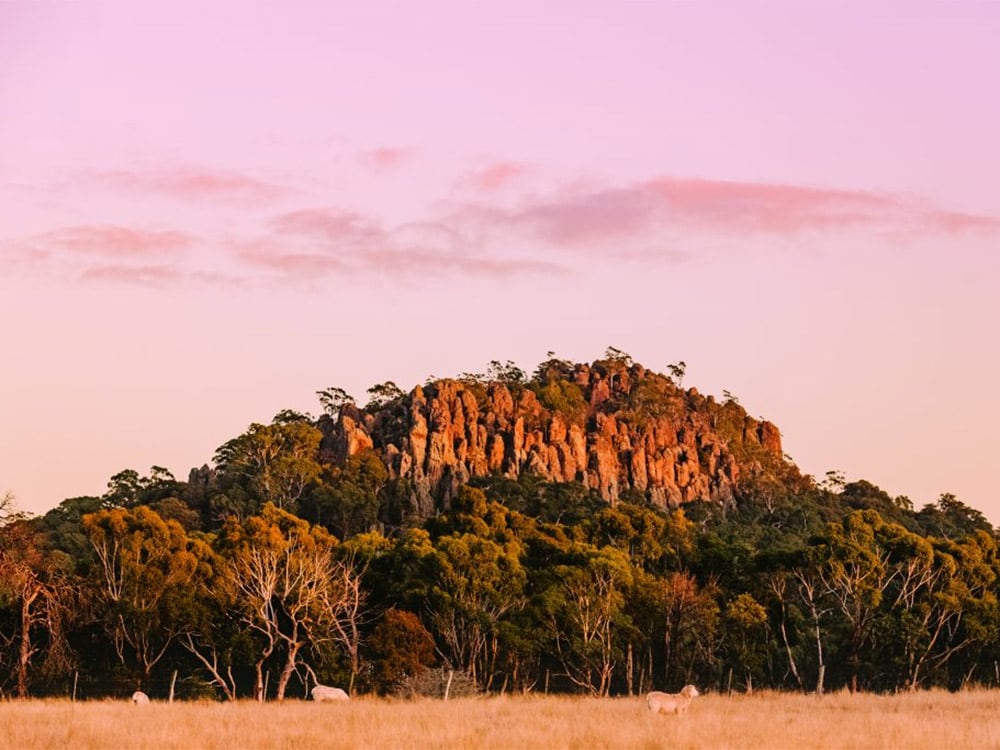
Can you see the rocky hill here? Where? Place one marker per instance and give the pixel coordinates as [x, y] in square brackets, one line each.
[612, 425]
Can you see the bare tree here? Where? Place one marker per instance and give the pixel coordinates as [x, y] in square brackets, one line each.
[293, 593]
[32, 578]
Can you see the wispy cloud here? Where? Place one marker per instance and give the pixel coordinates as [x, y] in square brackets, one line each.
[956, 222]
[385, 158]
[110, 253]
[151, 275]
[333, 225]
[495, 234]
[495, 176]
[194, 184]
[288, 262]
[415, 262]
[725, 207]
[616, 219]
[109, 240]
[319, 241]
[144, 275]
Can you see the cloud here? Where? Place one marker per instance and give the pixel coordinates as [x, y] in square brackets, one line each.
[625, 219]
[193, 184]
[111, 253]
[955, 222]
[317, 241]
[385, 158]
[273, 257]
[329, 224]
[763, 207]
[496, 176]
[422, 262]
[110, 240]
[709, 205]
[494, 235]
[143, 275]
[150, 275]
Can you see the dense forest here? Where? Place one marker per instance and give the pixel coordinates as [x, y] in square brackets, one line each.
[589, 528]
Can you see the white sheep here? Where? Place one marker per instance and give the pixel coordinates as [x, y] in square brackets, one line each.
[672, 703]
[139, 698]
[324, 693]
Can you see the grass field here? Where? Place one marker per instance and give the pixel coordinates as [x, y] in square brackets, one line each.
[934, 720]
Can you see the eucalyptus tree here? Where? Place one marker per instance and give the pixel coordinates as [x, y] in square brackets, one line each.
[34, 581]
[291, 590]
[148, 582]
[586, 609]
[275, 463]
[475, 583]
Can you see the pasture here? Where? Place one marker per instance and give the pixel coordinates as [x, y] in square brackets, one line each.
[937, 720]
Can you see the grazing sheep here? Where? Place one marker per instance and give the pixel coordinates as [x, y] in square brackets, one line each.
[672, 703]
[324, 693]
[139, 698]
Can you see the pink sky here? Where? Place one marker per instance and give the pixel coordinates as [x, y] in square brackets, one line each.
[209, 211]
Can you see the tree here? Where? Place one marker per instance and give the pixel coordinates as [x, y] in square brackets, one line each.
[745, 622]
[275, 462]
[34, 580]
[691, 620]
[507, 373]
[677, 370]
[291, 590]
[333, 400]
[147, 581]
[953, 519]
[475, 583]
[347, 498]
[7, 507]
[127, 488]
[383, 394]
[809, 588]
[586, 611]
[401, 649]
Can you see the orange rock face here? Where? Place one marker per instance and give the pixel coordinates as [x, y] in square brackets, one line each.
[667, 448]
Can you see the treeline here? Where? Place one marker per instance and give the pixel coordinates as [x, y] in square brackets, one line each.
[277, 568]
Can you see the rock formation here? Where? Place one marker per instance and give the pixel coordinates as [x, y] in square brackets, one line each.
[612, 426]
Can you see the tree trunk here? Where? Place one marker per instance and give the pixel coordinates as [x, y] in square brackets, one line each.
[258, 684]
[288, 669]
[25, 650]
[788, 650]
[821, 671]
[629, 669]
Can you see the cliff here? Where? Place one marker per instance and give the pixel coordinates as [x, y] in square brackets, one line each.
[612, 426]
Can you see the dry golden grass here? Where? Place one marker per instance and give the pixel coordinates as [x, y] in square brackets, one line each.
[937, 720]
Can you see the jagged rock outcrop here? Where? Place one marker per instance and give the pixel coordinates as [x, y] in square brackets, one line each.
[610, 426]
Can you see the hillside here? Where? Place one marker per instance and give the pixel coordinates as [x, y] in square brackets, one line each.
[592, 528]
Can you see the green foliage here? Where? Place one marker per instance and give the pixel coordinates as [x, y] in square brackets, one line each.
[551, 369]
[383, 394]
[507, 373]
[149, 580]
[347, 499]
[650, 398]
[564, 398]
[952, 518]
[333, 400]
[273, 463]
